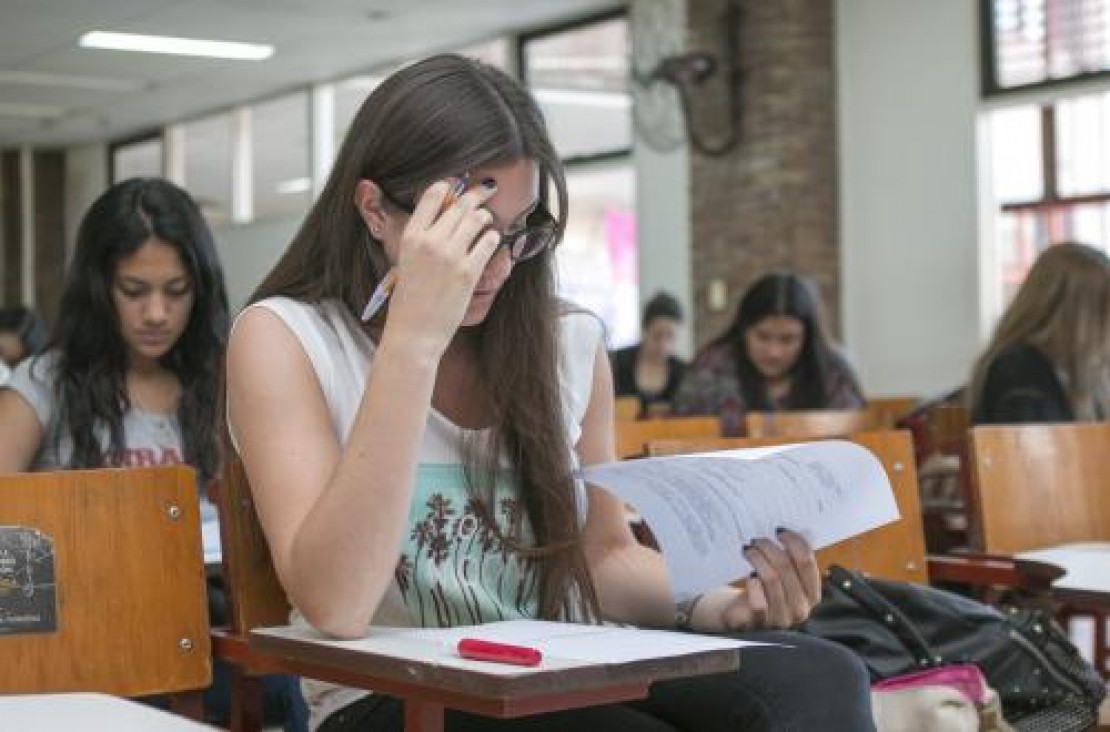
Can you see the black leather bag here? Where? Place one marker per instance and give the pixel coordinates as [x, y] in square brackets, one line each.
[899, 627]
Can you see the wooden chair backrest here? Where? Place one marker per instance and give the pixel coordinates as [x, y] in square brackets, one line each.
[631, 437]
[1035, 486]
[809, 423]
[257, 597]
[886, 411]
[128, 582]
[626, 408]
[895, 551]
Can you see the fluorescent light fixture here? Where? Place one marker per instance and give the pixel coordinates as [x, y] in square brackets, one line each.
[30, 111]
[176, 46]
[70, 81]
[294, 185]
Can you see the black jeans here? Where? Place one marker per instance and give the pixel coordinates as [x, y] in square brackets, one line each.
[814, 685]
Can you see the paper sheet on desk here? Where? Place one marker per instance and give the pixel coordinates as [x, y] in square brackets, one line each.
[704, 508]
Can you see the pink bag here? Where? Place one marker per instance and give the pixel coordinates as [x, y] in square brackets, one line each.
[965, 678]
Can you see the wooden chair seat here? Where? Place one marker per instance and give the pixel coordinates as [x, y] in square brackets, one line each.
[631, 437]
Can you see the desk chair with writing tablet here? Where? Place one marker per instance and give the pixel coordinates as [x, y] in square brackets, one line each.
[1043, 487]
[102, 585]
[427, 688]
[632, 436]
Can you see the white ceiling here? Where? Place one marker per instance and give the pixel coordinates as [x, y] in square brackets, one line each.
[315, 40]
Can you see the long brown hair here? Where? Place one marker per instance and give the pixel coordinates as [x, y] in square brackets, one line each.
[430, 121]
[1063, 310]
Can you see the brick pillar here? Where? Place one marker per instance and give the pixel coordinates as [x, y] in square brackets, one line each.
[771, 201]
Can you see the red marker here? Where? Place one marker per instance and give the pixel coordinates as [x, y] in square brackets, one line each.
[480, 650]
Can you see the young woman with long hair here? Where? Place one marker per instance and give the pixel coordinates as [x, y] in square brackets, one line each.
[774, 356]
[418, 470]
[1049, 357]
[132, 372]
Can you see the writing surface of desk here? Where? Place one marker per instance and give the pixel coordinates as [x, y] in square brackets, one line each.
[430, 680]
[1084, 589]
[87, 713]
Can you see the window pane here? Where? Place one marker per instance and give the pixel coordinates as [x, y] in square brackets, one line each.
[1043, 40]
[1016, 154]
[1024, 234]
[597, 258]
[349, 96]
[142, 158]
[581, 79]
[1083, 145]
[208, 165]
[279, 150]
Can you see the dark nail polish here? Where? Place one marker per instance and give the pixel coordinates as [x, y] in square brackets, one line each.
[753, 575]
[489, 183]
[746, 547]
[779, 530]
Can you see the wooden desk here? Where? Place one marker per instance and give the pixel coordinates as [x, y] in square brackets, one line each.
[429, 685]
[88, 713]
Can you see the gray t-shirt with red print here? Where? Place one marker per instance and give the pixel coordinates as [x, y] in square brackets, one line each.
[150, 438]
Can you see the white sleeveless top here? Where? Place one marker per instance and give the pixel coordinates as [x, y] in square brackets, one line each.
[452, 568]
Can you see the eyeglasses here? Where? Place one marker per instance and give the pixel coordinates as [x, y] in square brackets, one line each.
[533, 238]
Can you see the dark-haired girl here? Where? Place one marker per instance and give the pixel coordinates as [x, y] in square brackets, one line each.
[774, 356]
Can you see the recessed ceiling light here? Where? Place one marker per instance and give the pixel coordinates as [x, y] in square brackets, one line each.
[70, 81]
[176, 46]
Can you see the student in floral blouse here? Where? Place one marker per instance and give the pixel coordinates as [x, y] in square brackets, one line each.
[775, 356]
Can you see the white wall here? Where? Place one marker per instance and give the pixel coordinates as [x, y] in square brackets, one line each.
[663, 215]
[86, 178]
[908, 86]
[248, 251]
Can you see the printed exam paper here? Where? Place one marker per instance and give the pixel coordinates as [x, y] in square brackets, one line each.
[704, 508]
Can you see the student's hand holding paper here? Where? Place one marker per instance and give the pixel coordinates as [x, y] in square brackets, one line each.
[786, 586]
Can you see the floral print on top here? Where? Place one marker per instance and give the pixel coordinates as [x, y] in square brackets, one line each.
[454, 568]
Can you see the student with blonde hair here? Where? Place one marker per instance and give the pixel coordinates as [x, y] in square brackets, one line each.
[1049, 357]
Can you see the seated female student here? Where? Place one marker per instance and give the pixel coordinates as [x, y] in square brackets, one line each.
[775, 356]
[417, 470]
[649, 370]
[133, 372]
[22, 334]
[1049, 357]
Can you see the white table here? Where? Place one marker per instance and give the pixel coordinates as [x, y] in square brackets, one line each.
[1086, 565]
[87, 713]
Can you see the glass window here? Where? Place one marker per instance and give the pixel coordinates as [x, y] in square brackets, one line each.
[597, 259]
[1083, 145]
[279, 156]
[1016, 154]
[1039, 41]
[580, 77]
[208, 149]
[141, 158]
[1068, 201]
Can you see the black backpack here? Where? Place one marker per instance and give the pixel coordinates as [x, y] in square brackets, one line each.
[900, 627]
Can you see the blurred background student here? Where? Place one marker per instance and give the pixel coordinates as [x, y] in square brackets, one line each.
[23, 334]
[650, 370]
[132, 374]
[775, 356]
[1049, 357]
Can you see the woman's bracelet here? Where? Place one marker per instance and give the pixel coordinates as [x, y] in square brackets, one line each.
[684, 613]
